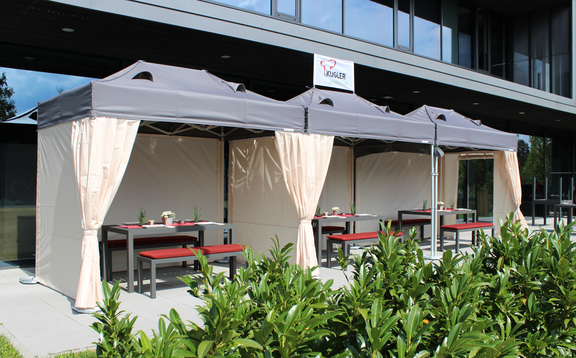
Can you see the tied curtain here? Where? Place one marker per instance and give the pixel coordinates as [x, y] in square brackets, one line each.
[510, 173]
[304, 160]
[101, 148]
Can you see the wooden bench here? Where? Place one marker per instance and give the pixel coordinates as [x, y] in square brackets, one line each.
[144, 243]
[408, 223]
[345, 240]
[458, 228]
[155, 257]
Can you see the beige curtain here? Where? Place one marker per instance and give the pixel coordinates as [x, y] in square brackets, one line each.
[101, 149]
[509, 173]
[304, 160]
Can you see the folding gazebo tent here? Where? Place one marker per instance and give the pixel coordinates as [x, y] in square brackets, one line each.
[457, 133]
[343, 115]
[85, 140]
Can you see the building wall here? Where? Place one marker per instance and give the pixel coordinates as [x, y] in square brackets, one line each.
[235, 22]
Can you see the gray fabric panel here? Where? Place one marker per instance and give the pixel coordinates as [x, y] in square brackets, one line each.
[68, 106]
[460, 131]
[353, 116]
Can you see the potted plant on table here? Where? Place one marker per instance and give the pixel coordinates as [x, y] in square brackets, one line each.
[168, 217]
[335, 210]
[451, 204]
[353, 209]
[141, 215]
[440, 205]
[424, 204]
[197, 214]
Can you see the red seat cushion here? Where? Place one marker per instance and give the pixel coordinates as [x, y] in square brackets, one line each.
[333, 228]
[475, 225]
[182, 252]
[154, 240]
[358, 236]
[411, 221]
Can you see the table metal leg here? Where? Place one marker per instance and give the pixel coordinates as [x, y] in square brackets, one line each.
[130, 258]
[318, 243]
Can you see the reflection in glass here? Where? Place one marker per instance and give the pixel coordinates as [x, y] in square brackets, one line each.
[325, 14]
[404, 23]
[287, 7]
[427, 28]
[262, 6]
[370, 20]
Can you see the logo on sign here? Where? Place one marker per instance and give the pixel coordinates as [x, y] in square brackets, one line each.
[328, 66]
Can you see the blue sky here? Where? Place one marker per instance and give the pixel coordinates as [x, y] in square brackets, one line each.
[31, 87]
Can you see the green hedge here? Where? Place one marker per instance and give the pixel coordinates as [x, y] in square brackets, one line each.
[514, 296]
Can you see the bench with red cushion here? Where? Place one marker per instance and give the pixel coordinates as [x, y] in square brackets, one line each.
[155, 257]
[458, 228]
[407, 223]
[145, 243]
[345, 240]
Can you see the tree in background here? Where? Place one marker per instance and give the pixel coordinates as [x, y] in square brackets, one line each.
[523, 151]
[534, 164]
[7, 106]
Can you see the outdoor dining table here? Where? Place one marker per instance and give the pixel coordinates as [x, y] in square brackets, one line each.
[320, 221]
[133, 231]
[441, 214]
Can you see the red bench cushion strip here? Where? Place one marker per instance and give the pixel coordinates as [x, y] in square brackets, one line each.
[357, 236]
[182, 252]
[476, 225]
[155, 240]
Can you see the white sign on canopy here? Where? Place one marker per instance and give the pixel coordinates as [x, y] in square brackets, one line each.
[333, 72]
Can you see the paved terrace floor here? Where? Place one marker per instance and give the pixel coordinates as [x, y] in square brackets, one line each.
[40, 322]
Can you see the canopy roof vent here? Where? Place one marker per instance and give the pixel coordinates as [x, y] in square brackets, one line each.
[441, 117]
[383, 109]
[326, 101]
[236, 87]
[144, 76]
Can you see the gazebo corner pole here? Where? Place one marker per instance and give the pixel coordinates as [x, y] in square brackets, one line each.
[433, 212]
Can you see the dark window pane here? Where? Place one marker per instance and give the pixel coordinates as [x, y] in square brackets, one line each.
[404, 23]
[498, 51]
[262, 6]
[540, 46]
[561, 51]
[482, 32]
[17, 200]
[450, 31]
[465, 32]
[427, 28]
[370, 20]
[520, 64]
[325, 14]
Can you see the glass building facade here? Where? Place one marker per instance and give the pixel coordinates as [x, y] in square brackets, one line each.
[532, 49]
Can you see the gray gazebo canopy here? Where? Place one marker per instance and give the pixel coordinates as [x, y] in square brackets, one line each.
[460, 133]
[348, 115]
[161, 93]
